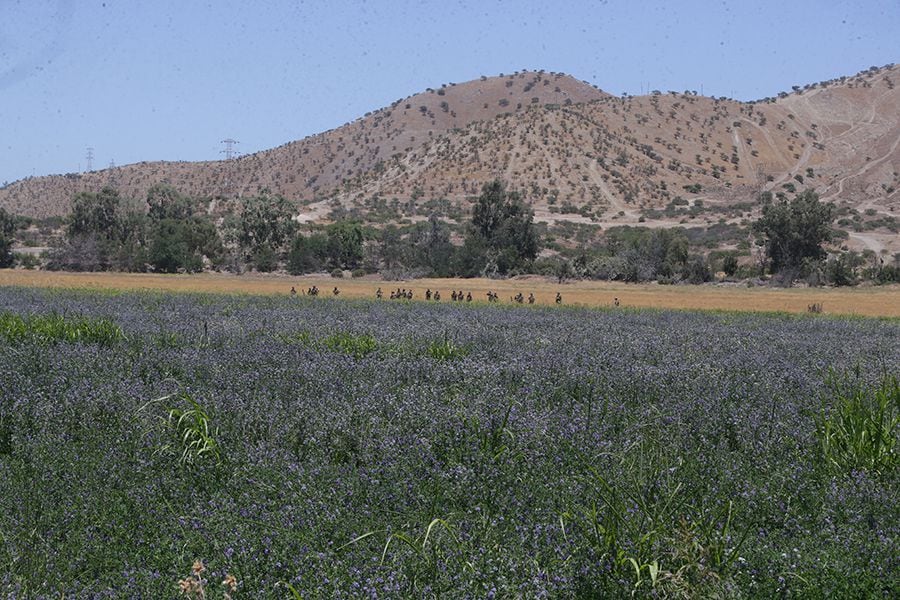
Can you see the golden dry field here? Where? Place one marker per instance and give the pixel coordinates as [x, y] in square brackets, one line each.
[866, 301]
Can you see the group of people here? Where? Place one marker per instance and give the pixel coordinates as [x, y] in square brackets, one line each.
[460, 296]
[520, 299]
[314, 291]
[398, 294]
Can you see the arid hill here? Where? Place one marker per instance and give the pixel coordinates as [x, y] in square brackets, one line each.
[577, 153]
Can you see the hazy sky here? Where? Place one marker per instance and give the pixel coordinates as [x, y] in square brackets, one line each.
[171, 79]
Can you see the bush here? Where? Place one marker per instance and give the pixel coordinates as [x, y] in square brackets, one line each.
[840, 270]
[27, 261]
[358, 273]
[337, 273]
[730, 265]
[697, 270]
[356, 346]
[265, 260]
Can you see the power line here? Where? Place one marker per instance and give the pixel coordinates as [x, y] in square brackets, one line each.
[229, 150]
[89, 157]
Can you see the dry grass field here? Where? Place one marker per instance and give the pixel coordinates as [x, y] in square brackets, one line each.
[871, 301]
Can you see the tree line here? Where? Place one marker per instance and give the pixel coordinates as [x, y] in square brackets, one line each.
[168, 232]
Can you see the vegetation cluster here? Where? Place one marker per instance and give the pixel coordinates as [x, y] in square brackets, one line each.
[794, 239]
[302, 447]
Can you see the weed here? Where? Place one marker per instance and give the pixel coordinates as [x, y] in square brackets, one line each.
[446, 349]
[859, 430]
[195, 586]
[643, 528]
[53, 328]
[193, 441]
[356, 346]
[429, 557]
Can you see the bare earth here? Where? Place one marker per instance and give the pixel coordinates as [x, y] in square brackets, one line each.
[870, 301]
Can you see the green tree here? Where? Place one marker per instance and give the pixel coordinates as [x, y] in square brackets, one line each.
[180, 245]
[7, 231]
[392, 248]
[98, 234]
[265, 220]
[730, 264]
[170, 251]
[345, 244]
[307, 254]
[794, 231]
[431, 248]
[505, 228]
[95, 214]
[165, 202]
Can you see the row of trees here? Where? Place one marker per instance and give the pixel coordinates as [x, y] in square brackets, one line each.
[500, 239]
[168, 232]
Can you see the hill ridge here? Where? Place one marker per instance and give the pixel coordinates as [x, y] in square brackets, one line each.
[578, 153]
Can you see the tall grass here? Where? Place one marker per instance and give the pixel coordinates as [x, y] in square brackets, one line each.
[859, 430]
[192, 437]
[53, 328]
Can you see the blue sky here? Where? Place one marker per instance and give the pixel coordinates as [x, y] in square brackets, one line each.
[170, 80]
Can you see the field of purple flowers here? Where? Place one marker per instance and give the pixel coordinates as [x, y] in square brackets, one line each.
[318, 448]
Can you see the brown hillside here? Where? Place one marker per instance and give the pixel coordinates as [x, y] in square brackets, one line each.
[320, 165]
[577, 153]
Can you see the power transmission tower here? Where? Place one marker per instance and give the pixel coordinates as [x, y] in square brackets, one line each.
[89, 157]
[229, 150]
